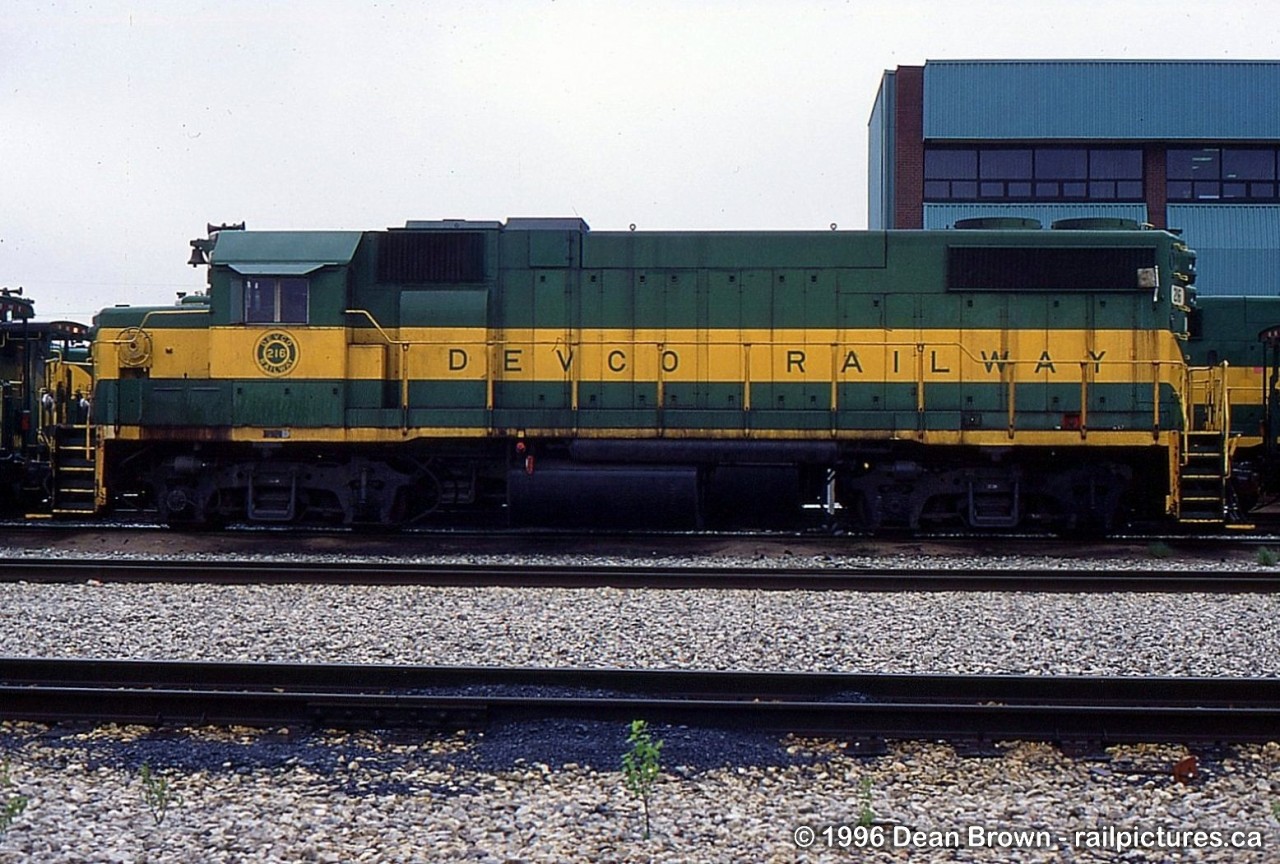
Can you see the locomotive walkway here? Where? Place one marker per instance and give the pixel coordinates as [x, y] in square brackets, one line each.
[858, 707]
[870, 579]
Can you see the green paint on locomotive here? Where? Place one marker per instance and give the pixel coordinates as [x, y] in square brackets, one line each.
[1227, 329]
[711, 280]
[561, 279]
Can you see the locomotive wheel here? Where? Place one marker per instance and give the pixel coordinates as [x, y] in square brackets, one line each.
[417, 502]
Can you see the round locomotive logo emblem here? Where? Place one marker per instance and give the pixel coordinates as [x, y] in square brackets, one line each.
[277, 353]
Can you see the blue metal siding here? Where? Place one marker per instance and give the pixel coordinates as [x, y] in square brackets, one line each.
[946, 215]
[1237, 247]
[1107, 99]
[880, 157]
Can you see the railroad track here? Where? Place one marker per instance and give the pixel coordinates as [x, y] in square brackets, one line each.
[850, 706]
[1077, 580]
[500, 536]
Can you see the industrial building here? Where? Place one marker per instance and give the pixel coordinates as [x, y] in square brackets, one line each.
[1190, 145]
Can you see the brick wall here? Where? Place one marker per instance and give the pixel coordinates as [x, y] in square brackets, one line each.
[1155, 189]
[908, 149]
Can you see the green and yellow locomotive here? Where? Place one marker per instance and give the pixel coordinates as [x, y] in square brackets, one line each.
[989, 377]
[45, 384]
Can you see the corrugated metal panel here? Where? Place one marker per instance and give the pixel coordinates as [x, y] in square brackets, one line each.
[1243, 226]
[1078, 99]
[946, 215]
[1237, 247]
[1237, 273]
[879, 156]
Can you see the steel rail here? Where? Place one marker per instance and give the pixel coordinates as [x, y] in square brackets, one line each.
[869, 579]
[1267, 533]
[855, 706]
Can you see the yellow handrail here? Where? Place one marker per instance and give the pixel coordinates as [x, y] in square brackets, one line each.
[1171, 371]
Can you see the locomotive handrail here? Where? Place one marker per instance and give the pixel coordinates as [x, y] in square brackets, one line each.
[1088, 367]
[914, 344]
[87, 365]
[57, 411]
[1217, 397]
[404, 360]
[918, 353]
[1226, 421]
[141, 325]
[376, 326]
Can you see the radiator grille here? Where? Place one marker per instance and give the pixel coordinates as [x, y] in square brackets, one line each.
[1031, 268]
[426, 257]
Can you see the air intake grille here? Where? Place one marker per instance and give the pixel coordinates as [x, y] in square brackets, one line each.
[427, 257]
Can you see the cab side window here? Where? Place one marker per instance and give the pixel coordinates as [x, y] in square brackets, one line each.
[275, 300]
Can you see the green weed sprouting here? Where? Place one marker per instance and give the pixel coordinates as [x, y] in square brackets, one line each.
[1266, 557]
[866, 815]
[641, 766]
[13, 804]
[1160, 549]
[157, 793]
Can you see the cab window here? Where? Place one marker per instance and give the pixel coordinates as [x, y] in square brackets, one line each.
[275, 300]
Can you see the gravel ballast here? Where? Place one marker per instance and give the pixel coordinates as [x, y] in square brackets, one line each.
[367, 800]
[528, 795]
[1140, 634]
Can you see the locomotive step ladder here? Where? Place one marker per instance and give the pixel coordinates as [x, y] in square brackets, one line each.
[1204, 462]
[73, 468]
[1202, 478]
[993, 503]
[272, 496]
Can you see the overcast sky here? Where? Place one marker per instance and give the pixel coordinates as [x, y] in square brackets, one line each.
[126, 126]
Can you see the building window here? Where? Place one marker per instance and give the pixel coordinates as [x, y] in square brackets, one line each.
[1115, 164]
[1064, 164]
[1032, 174]
[1232, 174]
[1005, 164]
[275, 300]
[950, 164]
